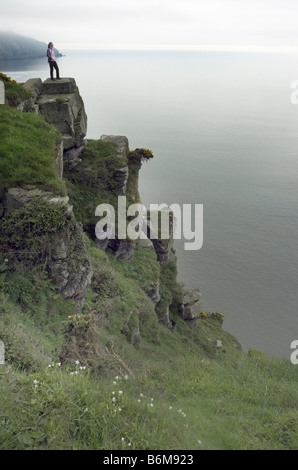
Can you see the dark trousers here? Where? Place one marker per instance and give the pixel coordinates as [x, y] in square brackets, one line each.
[53, 65]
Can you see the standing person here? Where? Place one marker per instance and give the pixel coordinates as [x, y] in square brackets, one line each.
[52, 61]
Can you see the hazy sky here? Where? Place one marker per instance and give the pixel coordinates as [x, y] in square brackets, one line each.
[151, 22]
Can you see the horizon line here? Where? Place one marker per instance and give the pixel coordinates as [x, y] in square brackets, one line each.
[174, 47]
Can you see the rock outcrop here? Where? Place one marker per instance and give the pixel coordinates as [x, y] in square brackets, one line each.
[190, 309]
[16, 198]
[120, 175]
[164, 247]
[64, 250]
[120, 142]
[60, 103]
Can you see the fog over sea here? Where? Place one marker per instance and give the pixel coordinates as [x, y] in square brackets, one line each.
[224, 134]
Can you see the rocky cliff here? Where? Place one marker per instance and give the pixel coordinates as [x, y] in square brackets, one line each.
[83, 343]
[94, 172]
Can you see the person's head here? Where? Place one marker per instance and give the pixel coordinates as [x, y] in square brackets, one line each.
[50, 45]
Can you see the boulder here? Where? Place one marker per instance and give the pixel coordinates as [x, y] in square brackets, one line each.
[59, 87]
[190, 309]
[34, 85]
[120, 142]
[190, 297]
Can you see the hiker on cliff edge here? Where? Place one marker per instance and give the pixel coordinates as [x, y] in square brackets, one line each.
[52, 61]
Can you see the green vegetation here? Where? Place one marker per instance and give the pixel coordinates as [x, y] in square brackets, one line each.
[110, 375]
[92, 181]
[14, 92]
[81, 382]
[170, 290]
[142, 268]
[95, 180]
[25, 233]
[28, 147]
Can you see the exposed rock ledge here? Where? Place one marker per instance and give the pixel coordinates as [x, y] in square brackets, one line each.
[67, 257]
[60, 103]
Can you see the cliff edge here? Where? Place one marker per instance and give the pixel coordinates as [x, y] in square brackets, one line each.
[89, 173]
[100, 346]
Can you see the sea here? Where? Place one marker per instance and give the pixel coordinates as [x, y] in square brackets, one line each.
[223, 128]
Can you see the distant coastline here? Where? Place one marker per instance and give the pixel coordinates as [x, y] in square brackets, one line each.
[16, 47]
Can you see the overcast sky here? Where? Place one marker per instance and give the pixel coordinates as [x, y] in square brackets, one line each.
[155, 22]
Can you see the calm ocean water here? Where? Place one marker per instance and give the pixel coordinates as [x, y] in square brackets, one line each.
[224, 134]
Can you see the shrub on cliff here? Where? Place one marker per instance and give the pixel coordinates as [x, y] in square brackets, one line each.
[14, 92]
[24, 234]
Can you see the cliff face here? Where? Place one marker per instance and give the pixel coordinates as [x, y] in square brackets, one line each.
[63, 250]
[94, 172]
[60, 103]
[68, 303]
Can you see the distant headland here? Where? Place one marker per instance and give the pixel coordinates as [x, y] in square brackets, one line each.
[16, 47]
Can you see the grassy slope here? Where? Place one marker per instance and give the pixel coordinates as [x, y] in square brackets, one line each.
[27, 151]
[79, 382]
[14, 92]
